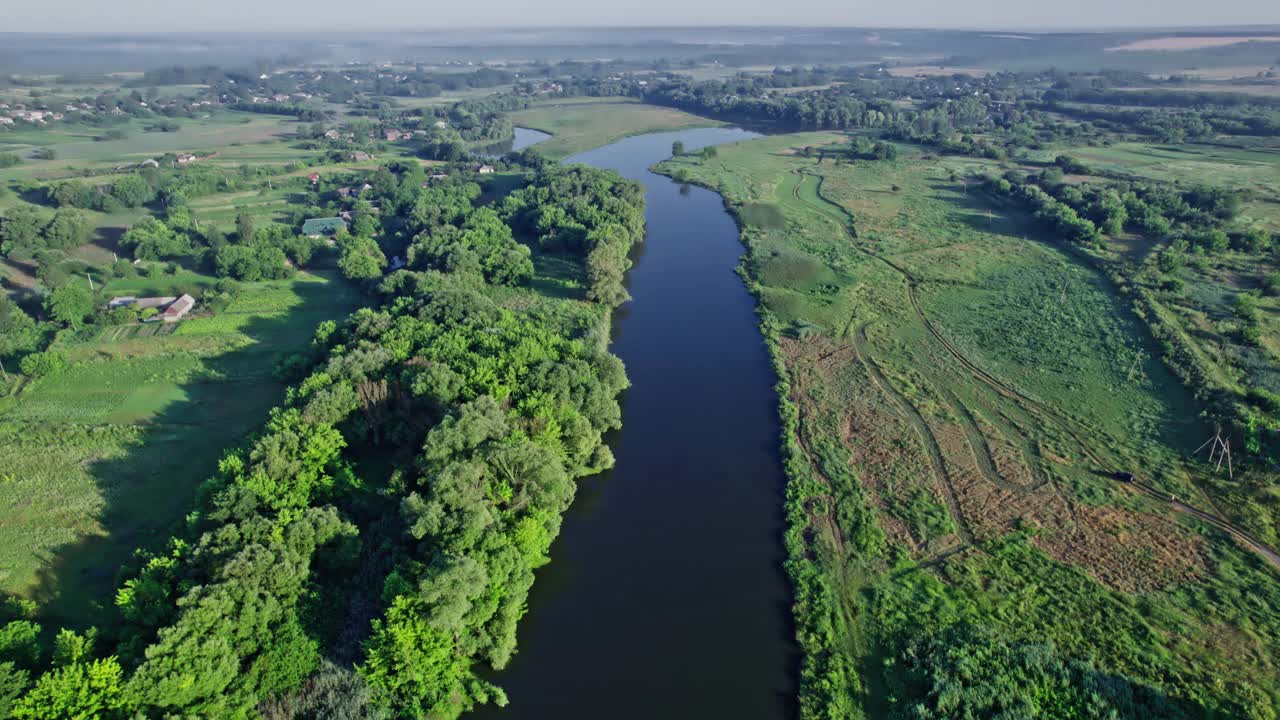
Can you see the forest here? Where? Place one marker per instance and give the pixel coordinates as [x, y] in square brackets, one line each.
[484, 417]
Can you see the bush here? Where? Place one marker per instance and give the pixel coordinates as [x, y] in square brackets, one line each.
[1271, 284]
[44, 363]
[124, 269]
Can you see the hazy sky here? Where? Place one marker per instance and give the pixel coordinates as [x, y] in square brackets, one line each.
[198, 15]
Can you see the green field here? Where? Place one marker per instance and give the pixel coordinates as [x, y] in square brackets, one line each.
[105, 456]
[585, 123]
[962, 387]
[1252, 169]
[76, 144]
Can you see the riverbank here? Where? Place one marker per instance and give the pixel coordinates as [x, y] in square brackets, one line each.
[580, 124]
[940, 509]
[666, 595]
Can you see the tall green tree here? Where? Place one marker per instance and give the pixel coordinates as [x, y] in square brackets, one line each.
[70, 304]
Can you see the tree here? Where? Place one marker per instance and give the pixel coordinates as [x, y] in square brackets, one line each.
[71, 193]
[709, 152]
[361, 259]
[132, 191]
[21, 227]
[412, 665]
[244, 227]
[677, 148]
[69, 304]
[152, 239]
[93, 689]
[69, 228]
[19, 333]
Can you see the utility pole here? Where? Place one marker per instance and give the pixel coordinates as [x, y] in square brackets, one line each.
[90, 278]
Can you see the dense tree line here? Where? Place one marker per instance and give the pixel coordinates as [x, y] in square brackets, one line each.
[585, 212]
[500, 410]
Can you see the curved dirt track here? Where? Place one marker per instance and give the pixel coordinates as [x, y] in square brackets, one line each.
[1047, 414]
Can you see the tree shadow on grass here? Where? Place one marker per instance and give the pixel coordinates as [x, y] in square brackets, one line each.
[184, 430]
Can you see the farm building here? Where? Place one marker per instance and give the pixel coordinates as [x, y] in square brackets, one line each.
[177, 309]
[485, 169]
[317, 227]
[172, 309]
[140, 303]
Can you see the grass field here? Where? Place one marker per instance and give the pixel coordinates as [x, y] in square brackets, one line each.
[1252, 169]
[105, 456]
[75, 144]
[592, 122]
[962, 386]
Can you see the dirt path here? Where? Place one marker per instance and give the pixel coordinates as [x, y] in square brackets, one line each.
[912, 415]
[1045, 413]
[981, 450]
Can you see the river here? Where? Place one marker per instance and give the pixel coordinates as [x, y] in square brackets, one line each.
[665, 596]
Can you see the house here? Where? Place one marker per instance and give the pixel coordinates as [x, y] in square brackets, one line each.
[332, 134]
[319, 227]
[314, 178]
[140, 303]
[361, 156]
[391, 135]
[440, 125]
[177, 309]
[485, 169]
[184, 158]
[171, 309]
[6, 121]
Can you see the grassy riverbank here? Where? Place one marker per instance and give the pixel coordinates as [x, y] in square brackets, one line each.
[954, 384]
[579, 124]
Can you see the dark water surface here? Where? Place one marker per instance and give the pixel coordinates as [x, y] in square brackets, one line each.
[521, 138]
[665, 596]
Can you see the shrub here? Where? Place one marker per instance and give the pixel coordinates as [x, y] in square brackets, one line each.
[44, 363]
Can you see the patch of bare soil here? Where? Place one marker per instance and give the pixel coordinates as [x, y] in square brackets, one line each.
[1123, 549]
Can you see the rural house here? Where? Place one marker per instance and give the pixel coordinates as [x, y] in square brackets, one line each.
[485, 169]
[177, 309]
[171, 308]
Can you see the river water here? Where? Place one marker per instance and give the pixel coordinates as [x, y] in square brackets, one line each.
[665, 596]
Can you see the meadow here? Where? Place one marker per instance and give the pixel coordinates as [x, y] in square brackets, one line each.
[959, 389]
[583, 123]
[106, 455]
